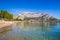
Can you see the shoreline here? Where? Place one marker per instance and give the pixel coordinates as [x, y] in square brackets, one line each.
[5, 23]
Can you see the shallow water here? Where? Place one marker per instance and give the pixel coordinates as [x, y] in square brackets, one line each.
[31, 31]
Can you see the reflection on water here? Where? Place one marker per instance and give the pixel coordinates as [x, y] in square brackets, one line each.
[41, 26]
[32, 31]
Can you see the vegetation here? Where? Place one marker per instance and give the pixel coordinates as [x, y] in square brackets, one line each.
[53, 19]
[17, 19]
[5, 15]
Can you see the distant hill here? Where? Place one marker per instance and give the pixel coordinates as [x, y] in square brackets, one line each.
[33, 15]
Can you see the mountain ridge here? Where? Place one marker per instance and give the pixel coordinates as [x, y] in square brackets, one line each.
[33, 15]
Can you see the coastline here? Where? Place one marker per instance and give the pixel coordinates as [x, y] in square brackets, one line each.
[5, 23]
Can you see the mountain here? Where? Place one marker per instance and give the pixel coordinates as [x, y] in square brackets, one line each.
[33, 15]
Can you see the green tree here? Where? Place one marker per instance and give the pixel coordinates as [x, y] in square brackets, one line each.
[6, 15]
[53, 19]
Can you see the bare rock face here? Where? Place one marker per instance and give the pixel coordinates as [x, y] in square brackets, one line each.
[34, 15]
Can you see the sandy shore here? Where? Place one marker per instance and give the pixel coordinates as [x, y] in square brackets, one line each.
[5, 23]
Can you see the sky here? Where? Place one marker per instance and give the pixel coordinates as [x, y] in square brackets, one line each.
[15, 7]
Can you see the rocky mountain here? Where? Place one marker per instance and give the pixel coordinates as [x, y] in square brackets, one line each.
[34, 15]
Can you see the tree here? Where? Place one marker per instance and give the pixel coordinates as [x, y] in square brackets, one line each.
[6, 15]
[53, 19]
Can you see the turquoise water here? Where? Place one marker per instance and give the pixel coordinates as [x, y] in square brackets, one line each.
[31, 31]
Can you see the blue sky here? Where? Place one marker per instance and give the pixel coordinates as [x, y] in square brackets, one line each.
[51, 7]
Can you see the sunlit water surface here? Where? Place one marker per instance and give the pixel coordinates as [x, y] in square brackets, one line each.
[31, 31]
